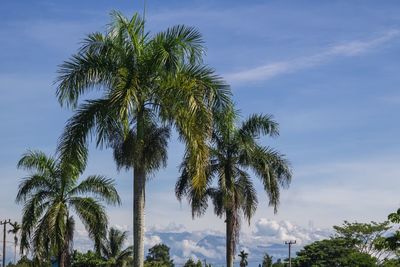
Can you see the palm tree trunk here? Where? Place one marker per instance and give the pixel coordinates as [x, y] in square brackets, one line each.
[61, 260]
[139, 183]
[138, 216]
[15, 252]
[229, 239]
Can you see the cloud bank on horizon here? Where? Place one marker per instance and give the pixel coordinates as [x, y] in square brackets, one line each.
[268, 236]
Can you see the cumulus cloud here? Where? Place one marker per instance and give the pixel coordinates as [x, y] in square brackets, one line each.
[281, 231]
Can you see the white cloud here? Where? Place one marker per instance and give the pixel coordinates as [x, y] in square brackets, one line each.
[349, 49]
[152, 240]
[280, 231]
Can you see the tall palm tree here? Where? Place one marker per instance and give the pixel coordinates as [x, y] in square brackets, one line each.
[234, 151]
[243, 258]
[144, 80]
[16, 227]
[112, 248]
[50, 193]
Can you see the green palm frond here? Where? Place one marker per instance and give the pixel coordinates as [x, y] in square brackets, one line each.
[99, 187]
[92, 215]
[257, 125]
[37, 161]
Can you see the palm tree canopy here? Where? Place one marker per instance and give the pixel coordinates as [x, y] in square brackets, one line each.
[50, 192]
[243, 258]
[15, 228]
[112, 248]
[157, 77]
[234, 151]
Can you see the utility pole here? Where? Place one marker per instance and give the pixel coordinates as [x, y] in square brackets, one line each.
[4, 223]
[290, 243]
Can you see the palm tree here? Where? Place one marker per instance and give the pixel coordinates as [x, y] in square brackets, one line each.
[112, 248]
[243, 258]
[146, 82]
[234, 150]
[16, 227]
[267, 260]
[49, 193]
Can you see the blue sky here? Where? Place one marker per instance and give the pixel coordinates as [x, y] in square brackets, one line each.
[327, 70]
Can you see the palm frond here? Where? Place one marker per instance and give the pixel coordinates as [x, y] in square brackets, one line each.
[72, 146]
[99, 187]
[37, 161]
[93, 217]
[257, 125]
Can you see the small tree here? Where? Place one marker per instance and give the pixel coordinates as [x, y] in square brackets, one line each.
[366, 237]
[190, 263]
[113, 250]
[243, 258]
[159, 256]
[88, 259]
[267, 260]
[332, 252]
[16, 227]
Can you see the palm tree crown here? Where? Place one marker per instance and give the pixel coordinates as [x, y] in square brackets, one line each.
[16, 227]
[49, 193]
[243, 258]
[147, 82]
[234, 151]
[112, 248]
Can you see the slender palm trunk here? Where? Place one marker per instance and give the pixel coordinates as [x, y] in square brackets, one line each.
[15, 251]
[138, 215]
[61, 259]
[229, 239]
[139, 186]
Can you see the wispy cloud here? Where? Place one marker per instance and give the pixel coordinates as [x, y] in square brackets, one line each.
[349, 49]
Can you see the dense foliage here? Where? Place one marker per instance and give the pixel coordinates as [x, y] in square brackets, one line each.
[332, 252]
[159, 256]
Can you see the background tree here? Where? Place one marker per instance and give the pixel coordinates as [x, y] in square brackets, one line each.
[88, 259]
[243, 258]
[49, 193]
[367, 238]
[278, 263]
[333, 252]
[267, 260]
[113, 251]
[190, 263]
[16, 227]
[145, 80]
[392, 242]
[159, 256]
[234, 151]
